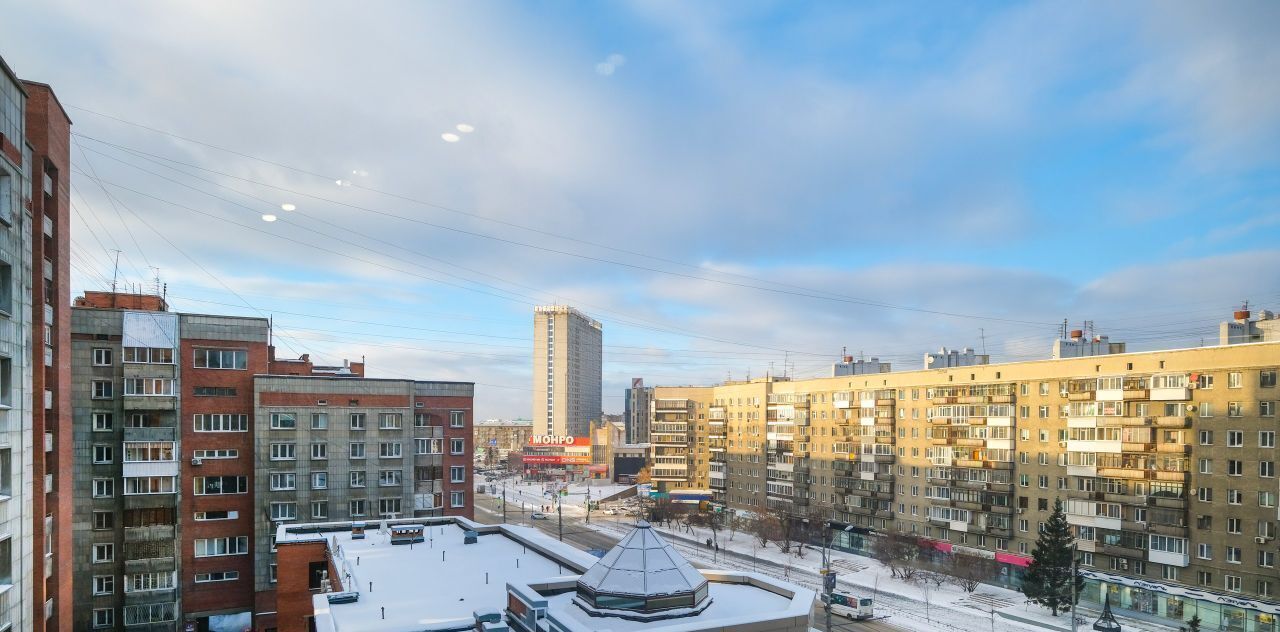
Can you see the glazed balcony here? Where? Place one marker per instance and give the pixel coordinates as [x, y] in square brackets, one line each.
[1174, 421]
[1167, 502]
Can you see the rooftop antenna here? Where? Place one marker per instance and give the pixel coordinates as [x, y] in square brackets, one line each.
[115, 272]
[156, 278]
[1063, 333]
[1088, 329]
[982, 333]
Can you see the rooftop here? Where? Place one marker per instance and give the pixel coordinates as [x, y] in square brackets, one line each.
[436, 584]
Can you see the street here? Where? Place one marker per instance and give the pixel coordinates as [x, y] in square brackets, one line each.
[488, 510]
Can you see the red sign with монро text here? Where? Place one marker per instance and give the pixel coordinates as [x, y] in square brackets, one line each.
[553, 441]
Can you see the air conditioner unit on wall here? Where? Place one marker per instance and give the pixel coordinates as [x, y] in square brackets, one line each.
[1260, 540]
[196, 461]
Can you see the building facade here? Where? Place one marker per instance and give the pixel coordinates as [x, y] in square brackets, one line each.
[163, 470]
[500, 437]
[567, 358]
[35, 550]
[1164, 462]
[635, 411]
[330, 448]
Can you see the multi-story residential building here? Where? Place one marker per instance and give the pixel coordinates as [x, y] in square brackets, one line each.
[500, 437]
[1244, 328]
[35, 550]
[329, 447]
[163, 401]
[1165, 463]
[678, 437]
[635, 411]
[567, 356]
[176, 425]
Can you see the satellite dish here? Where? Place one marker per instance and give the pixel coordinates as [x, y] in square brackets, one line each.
[929, 359]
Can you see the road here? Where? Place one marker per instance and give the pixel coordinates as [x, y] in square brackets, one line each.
[489, 511]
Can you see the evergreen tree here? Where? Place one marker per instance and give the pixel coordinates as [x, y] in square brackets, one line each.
[1047, 580]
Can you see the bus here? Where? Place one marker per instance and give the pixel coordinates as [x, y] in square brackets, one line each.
[850, 606]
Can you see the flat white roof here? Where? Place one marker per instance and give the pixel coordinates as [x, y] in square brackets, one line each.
[437, 584]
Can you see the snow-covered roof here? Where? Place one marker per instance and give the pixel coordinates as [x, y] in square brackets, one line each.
[642, 565]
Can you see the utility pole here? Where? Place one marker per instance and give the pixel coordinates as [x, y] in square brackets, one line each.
[1073, 586]
[504, 501]
[560, 519]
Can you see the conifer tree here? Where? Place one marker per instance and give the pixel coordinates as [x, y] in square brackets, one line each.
[1048, 578]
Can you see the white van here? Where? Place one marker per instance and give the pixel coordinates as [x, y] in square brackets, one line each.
[847, 605]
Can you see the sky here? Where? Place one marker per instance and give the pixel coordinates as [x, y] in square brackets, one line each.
[733, 189]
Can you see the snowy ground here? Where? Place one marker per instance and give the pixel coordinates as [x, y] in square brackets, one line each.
[536, 497]
[909, 606]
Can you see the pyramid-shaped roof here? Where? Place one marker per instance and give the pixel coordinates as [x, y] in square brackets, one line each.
[642, 565]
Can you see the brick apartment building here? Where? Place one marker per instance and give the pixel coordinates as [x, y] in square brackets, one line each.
[175, 417]
[35, 553]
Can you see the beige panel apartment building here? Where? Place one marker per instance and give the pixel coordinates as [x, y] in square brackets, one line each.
[567, 358]
[1165, 463]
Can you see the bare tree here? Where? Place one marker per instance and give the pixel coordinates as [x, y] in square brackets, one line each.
[968, 571]
[899, 552]
[763, 528]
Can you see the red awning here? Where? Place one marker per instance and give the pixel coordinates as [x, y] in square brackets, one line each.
[1016, 560]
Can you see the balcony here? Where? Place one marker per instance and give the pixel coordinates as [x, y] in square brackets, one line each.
[153, 532]
[1173, 448]
[151, 433]
[1118, 550]
[1167, 502]
[1132, 473]
[1169, 530]
[1137, 447]
[1135, 421]
[151, 501]
[1000, 532]
[150, 565]
[1170, 394]
[1174, 421]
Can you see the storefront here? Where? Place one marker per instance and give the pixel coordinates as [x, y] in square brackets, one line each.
[1175, 605]
[1010, 569]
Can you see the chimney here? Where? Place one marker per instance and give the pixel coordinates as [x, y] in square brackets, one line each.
[1242, 316]
[1077, 334]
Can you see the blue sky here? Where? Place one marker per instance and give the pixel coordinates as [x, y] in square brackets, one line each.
[730, 187]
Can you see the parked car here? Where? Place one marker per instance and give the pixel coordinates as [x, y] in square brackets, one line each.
[611, 512]
[538, 515]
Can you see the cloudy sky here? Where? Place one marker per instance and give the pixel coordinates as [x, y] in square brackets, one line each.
[731, 188]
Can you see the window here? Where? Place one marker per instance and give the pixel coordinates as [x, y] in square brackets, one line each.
[1266, 499]
[1266, 438]
[1267, 409]
[148, 355]
[222, 359]
[357, 421]
[104, 487]
[1206, 437]
[102, 357]
[319, 509]
[319, 451]
[457, 418]
[319, 421]
[101, 389]
[457, 499]
[217, 576]
[102, 454]
[1235, 409]
[1233, 525]
[148, 386]
[214, 391]
[105, 552]
[1266, 559]
[357, 450]
[357, 479]
[1205, 494]
[138, 485]
[1204, 551]
[220, 485]
[388, 506]
[1267, 379]
[104, 617]
[103, 422]
[456, 445]
[389, 478]
[1235, 468]
[1234, 497]
[390, 421]
[148, 451]
[389, 450]
[1232, 583]
[1206, 409]
[283, 452]
[284, 421]
[281, 481]
[104, 584]
[1235, 379]
[227, 453]
[215, 547]
[1206, 466]
[457, 474]
[1267, 469]
[284, 511]
[1204, 381]
[205, 516]
[104, 520]
[1205, 578]
[358, 509]
[420, 420]
[220, 423]
[149, 582]
[1265, 587]
[319, 480]
[1170, 573]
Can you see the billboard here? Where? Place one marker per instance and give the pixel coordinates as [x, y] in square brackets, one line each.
[558, 441]
[557, 459]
